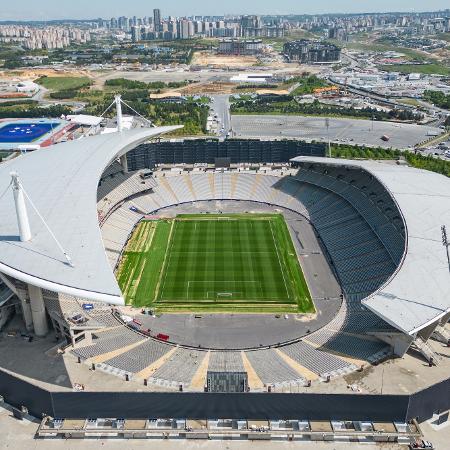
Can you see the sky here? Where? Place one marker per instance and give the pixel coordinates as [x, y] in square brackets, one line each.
[84, 9]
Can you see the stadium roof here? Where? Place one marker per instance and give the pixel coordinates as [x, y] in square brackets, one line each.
[419, 292]
[62, 182]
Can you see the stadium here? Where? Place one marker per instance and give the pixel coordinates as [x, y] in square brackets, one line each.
[222, 295]
[31, 133]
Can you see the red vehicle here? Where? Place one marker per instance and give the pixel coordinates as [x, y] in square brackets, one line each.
[163, 337]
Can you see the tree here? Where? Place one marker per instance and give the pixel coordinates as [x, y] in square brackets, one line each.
[13, 64]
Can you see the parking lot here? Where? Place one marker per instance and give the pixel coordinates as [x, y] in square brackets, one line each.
[440, 150]
[355, 131]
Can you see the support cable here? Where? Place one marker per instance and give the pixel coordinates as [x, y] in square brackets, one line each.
[69, 260]
[108, 108]
[104, 112]
[140, 115]
[6, 190]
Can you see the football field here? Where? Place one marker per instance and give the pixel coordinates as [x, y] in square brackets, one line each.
[214, 263]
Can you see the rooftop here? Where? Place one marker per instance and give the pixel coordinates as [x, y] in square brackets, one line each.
[62, 182]
[419, 291]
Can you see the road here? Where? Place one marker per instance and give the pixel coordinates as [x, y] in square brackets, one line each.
[220, 105]
[440, 113]
[352, 131]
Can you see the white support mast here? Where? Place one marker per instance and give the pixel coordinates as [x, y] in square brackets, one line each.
[118, 99]
[21, 208]
[22, 216]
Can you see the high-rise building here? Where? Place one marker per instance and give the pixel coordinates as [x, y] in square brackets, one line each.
[183, 29]
[123, 23]
[157, 19]
[251, 26]
[136, 33]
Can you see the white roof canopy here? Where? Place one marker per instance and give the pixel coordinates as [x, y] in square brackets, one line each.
[419, 291]
[62, 182]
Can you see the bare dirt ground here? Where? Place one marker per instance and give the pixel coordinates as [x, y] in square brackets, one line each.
[213, 80]
[443, 54]
[213, 60]
[209, 88]
[210, 59]
[36, 73]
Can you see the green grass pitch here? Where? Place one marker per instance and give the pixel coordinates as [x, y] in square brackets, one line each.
[214, 263]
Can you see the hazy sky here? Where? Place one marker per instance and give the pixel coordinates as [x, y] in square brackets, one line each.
[81, 9]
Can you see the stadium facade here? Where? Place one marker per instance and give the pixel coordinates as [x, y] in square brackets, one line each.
[379, 224]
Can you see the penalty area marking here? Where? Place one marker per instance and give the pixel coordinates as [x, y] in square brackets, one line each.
[215, 295]
[224, 292]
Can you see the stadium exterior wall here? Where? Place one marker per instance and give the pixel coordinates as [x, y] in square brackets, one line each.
[434, 398]
[206, 151]
[274, 406]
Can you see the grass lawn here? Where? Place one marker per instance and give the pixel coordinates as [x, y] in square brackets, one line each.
[214, 263]
[410, 53]
[409, 101]
[63, 83]
[439, 69]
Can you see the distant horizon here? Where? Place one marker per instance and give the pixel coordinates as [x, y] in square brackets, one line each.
[163, 16]
[46, 10]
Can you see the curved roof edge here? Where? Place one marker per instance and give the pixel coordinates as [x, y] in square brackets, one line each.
[55, 287]
[418, 292]
[62, 182]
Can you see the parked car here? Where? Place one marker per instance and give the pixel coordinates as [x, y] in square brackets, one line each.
[421, 444]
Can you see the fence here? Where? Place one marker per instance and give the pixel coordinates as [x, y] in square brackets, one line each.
[193, 405]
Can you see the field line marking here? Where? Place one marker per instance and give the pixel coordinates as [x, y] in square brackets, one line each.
[223, 251]
[224, 281]
[279, 260]
[163, 269]
[216, 292]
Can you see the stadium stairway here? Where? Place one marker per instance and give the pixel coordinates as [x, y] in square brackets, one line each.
[426, 351]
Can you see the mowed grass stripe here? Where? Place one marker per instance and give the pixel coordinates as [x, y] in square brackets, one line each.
[253, 261]
[220, 263]
[299, 286]
[144, 268]
[242, 272]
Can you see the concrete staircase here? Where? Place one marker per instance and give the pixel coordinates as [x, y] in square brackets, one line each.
[441, 334]
[428, 353]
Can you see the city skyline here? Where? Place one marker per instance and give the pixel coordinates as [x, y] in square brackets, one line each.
[45, 10]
